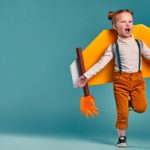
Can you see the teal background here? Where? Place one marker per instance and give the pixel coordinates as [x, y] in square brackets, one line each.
[37, 45]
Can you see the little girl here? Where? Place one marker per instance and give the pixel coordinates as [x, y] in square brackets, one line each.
[128, 80]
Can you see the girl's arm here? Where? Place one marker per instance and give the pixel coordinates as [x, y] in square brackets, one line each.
[104, 60]
[146, 51]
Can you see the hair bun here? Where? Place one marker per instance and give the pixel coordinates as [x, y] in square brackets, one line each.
[110, 15]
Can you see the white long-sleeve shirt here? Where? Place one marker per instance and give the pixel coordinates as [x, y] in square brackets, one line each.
[129, 56]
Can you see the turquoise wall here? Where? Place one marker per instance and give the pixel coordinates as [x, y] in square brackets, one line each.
[37, 45]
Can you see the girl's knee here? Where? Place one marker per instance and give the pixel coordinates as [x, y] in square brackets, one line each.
[141, 108]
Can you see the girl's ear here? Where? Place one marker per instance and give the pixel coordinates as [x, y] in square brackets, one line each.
[114, 26]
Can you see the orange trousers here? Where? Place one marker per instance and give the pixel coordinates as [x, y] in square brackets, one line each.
[128, 85]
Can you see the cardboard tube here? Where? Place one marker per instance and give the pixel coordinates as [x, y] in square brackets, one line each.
[82, 70]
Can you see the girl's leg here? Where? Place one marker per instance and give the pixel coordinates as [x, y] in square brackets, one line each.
[138, 96]
[121, 132]
[121, 93]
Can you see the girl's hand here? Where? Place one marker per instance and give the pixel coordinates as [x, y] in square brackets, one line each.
[82, 81]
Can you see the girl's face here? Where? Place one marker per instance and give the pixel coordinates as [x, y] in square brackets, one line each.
[124, 24]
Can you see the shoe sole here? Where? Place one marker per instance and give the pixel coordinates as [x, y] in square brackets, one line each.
[122, 145]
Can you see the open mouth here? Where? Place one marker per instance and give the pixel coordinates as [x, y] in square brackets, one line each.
[127, 30]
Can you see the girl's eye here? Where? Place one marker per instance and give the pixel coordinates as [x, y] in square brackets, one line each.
[126, 21]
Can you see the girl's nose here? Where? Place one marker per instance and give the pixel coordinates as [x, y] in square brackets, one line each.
[127, 23]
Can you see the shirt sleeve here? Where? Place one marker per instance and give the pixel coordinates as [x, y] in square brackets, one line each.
[146, 51]
[104, 60]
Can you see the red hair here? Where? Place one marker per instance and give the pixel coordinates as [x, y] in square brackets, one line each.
[112, 14]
